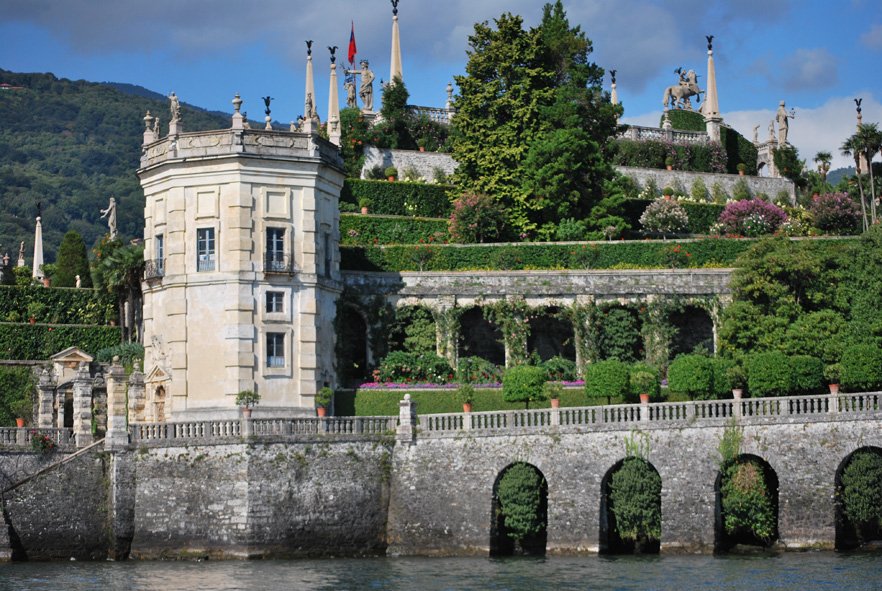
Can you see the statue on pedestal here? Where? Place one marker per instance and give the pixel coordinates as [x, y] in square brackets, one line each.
[366, 90]
[110, 214]
[783, 126]
[678, 96]
[174, 107]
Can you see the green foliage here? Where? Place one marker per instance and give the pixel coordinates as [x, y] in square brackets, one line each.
[476, 370]
[655, 154]
[73, 260]
[247, 398]
[559, 369]
[684, 120]
[476, 218]
[465, 393]
[324, 397]
[861, 368]
[700, 216]
[523, 383]
[787, 161]
[520, 491]
[407, 367]
[570, 230]
[16, 394]
[412, 330]
[635, 500]
[698, 191]
[64, 306]
[40, 341]
[355, 134]
[833, 373]
[664, 216]
[818, 334]
[127, 353]
[692, 375]
[747, 501]
[808, 374]
[607, 379]
[368, 230]
[738, 150]
[769, 374]
[531, 119]
[644, 379]
[861, 493]
[401, 198]
[713, 252]
[619, 335]
[728, 375]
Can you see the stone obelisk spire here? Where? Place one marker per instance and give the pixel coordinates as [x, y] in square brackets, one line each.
[333, 102]
[395, 61]
[309, 99]
[711, 107]
[38, 250]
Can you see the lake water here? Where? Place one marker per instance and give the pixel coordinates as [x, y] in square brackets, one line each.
[796, 571]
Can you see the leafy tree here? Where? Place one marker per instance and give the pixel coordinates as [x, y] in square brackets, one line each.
[531, 120]
[523, 383]
[120, 271]
[520, 492]
[786, 159]
[635, 500]
[394, 129]
[475, 218]
[72, 261]
[355, 133]
[861, 494]
[864, 143]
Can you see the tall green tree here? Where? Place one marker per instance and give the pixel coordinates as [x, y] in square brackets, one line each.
[532, 120]
[72, 260]
[864, 144]
[120, 272]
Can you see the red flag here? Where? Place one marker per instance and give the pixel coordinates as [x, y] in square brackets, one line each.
[352, 44]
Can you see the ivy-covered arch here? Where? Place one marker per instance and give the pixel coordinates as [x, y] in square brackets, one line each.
[858, 486]
[746, 512]
[519, 511]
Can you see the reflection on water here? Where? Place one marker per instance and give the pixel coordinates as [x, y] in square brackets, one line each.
[794, 571]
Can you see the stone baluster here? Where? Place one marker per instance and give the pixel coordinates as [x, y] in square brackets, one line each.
[46, 393]
[407, 417]
[117, 436]
[82, 406]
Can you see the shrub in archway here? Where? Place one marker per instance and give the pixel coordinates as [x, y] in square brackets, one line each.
[862, 491]
[520, 501]
[635, 501]
[692, 375]
[606, 379]
[523, 383]
[747, 501]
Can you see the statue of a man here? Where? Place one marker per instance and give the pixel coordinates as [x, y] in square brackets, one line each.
[772, 130]
[783, 126]
[756, 134]
[349, 86]
[366, 90]
[174, 106]
[110, 214]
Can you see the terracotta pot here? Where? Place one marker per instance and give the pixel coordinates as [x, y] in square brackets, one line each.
[644, 399]
[112, 322]
[19, 422]
[737, 393]
[669, 167]
[364, 211]
[422, 148]
[834, 389]
[32, 320]
[246, 412]
[46, 282]
[466, 407]
[555, 403]
[740, 173]
[321, 411]
[391, 179]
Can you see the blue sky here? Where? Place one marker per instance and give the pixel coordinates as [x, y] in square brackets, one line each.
[817, 56]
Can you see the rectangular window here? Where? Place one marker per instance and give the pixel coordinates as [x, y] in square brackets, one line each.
[327, 251]
[275, 302]
[205, 249]
[275, 349]
[160, 253]
[275, 249]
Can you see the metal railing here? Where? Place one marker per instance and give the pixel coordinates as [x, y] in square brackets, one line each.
[154, 269]
[279, 263]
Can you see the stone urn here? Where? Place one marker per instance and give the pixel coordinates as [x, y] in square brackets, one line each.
[246, 412]
[466, 407]
[555, 403]
[834, 389]
[737, 393]
[644, 399]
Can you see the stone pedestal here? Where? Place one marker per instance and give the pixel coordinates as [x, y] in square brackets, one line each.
[712, 126]
[82, 406]
[46, 394]
[117, 436]
[137, 396]
[407, 419]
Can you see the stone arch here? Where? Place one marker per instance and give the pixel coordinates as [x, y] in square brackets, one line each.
[848, 535]
[413, 323]
[501, 544]
[551, 335]
[610, 541]
[352, 346]
[694, 328]
[723, 541]
[478, 337]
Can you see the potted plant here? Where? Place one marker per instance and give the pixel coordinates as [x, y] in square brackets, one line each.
[23, 410]
[465, 394]
[553, 391]
[737, 378]
[323, 400]
[832, 373]
[742, 167]
[245, 400]
[364, 203]
[35, 311]
[669, 163]
[643, 382]
[668, 192]
[391, 173]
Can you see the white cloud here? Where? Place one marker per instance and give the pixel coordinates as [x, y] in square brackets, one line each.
[873, 38]
[807, 69]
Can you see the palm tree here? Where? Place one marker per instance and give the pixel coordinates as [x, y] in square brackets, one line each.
[853, 147]
[871, 141]
[823, 159]
[122, 271]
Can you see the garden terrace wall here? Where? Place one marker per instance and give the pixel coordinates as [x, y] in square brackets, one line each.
[425, 163]
[682, 180]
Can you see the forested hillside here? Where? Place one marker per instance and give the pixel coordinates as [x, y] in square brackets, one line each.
[71, 145]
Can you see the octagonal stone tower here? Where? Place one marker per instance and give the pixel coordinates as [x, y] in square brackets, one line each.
[241, 241]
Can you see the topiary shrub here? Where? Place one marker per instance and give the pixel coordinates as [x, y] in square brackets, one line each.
[836, 213]
[523, 383]
[606, 379]
[560, 369]
[808, 374]
[520, 492]
[644, 379]
[861, 368]
[407, 367]
[722, 371]
[769, 374]
[692, 375]
[751, 217]
[477, 370]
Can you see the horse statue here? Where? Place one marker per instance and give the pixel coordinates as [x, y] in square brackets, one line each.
[678, 96]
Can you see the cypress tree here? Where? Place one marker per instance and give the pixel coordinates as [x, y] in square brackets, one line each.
[72, 261]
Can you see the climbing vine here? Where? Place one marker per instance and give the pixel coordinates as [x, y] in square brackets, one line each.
[512, 316]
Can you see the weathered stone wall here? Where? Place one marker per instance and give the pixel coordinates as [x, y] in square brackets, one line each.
[266, 500]
[425, 163]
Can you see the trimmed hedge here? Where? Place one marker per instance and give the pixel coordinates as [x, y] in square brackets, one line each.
[523, 383]
[400, 198]
[40, 341]
[16, 385]
[692, 375]
[769, 374]
[808, 374]
[738, 148]
[62, 305]
[701, 215]
[709, 252]
[709, 157]
[861, 368]
[607, 379]
[364, 230]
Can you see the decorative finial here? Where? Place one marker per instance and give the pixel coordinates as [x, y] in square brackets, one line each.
[612, 74]
[858, 102]
[309, 47]
[237, 102]
[395, 7]
[333, 50]
[710, 42]
[266, 101]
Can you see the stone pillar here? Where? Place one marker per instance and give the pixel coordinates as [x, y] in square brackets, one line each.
[246, 427]
[644, 411]
[407, 419]
[60, 399]
[46, 397]
[712, 126]
[117, 436]
[137, 395]
[82, 406]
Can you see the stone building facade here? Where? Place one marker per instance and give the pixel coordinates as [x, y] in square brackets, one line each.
[242, 269]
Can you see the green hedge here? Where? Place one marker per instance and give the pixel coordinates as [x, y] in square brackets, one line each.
[365, 230]
[769, 374]
[654, 154]
[692, 375]
[861, 368]
[738, 148]
[400, 198]
[701, 215]
[371, 403]
[710, 252]
[40, 341]
[62, 305]
[16, 385]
